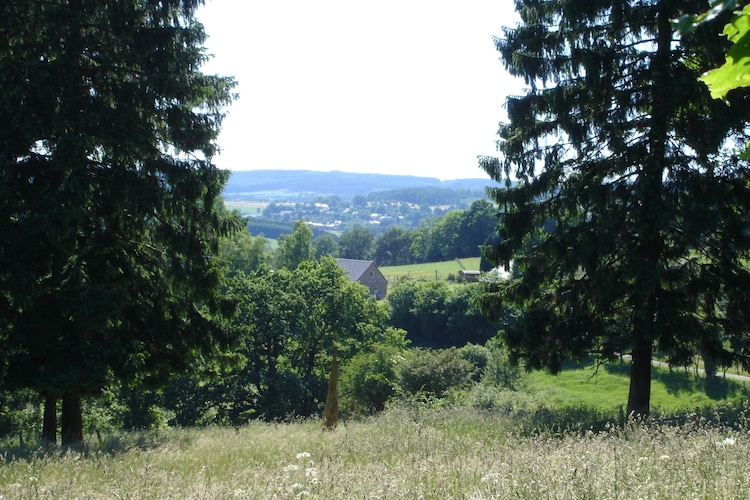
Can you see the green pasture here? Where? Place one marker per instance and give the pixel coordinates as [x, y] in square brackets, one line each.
[675, 390]
[431, 270]
[246, 207]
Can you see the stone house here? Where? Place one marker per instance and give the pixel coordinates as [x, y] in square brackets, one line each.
[366, 273]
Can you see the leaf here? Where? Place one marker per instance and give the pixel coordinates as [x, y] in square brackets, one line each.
[734, 72]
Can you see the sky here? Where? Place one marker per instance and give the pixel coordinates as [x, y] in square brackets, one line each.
[411, 87]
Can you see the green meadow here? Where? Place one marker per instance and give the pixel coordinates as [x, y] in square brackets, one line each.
[431, 270]
[606, 388]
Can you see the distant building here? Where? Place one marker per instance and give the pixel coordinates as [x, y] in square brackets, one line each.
[366, 273]
[469, 275]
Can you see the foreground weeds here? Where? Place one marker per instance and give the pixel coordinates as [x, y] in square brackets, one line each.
[404, 453]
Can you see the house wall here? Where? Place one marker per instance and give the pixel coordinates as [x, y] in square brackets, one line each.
[374, 280]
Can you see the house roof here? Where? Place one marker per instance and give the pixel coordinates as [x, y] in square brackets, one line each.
[354, 268]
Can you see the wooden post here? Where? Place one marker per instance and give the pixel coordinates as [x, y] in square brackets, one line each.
[331, 411]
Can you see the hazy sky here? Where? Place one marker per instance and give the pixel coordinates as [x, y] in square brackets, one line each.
[410, 87]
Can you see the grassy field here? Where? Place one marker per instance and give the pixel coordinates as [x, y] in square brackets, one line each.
[432, 270]
[432, 454]
[607, 388]
[246, 207]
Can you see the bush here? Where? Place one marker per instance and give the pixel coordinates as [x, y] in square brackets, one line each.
[499, 371]
[368, 380]
[477, 355]
[434, 371]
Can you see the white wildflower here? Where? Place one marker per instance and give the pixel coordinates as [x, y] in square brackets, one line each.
[311, 472]
[291, 467]
[490, 476]
[302, 455]
[730, 441]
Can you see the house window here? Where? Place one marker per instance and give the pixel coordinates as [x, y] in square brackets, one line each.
[372, 274]
[375, 291]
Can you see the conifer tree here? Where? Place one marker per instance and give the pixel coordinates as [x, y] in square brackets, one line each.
[628, 224]
[109, 203]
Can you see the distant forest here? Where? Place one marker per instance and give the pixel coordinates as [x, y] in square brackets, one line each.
[305, 185]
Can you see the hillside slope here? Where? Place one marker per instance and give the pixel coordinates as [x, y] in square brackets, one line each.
[306, 184]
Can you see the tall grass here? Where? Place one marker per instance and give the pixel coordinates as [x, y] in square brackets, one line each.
[403, 453]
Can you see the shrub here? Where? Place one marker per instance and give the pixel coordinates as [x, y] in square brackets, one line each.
[477, 355]
[434, 371]
[368, 380]
[499, 371]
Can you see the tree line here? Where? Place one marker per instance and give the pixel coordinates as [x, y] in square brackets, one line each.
[457, 234]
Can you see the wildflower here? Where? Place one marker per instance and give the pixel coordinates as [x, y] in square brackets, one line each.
[730, 441]
[302, 455]
[311, 472]
[291, 467]
[490, 476]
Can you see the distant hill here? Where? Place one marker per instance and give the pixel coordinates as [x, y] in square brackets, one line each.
[306, 184]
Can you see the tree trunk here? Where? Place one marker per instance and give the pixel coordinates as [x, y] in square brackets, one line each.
[639, 396]
[331, 411]
[72, 419]
[49, 420]
[649, 187]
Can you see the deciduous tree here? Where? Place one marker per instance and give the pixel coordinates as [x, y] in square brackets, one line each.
[620, 150]
[356, 243]
[295, 248]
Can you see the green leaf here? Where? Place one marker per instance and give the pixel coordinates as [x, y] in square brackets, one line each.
[734, 72]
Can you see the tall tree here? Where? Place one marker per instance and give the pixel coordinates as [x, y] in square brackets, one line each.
[243, 252]
[628, 223]
[295, 248]
[325, 245]
[356, 243]
[109, 220]
[393, 247]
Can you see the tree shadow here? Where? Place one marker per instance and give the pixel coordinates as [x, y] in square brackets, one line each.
[679, 381]
[119, 442]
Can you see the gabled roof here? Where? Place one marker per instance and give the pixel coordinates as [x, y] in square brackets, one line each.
[354, 268]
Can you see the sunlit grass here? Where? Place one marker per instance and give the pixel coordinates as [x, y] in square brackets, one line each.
[404, 453]
[431, 270]
[607, 387]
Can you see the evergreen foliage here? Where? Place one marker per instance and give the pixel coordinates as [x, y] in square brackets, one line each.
[108, 198]
[621, 152]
